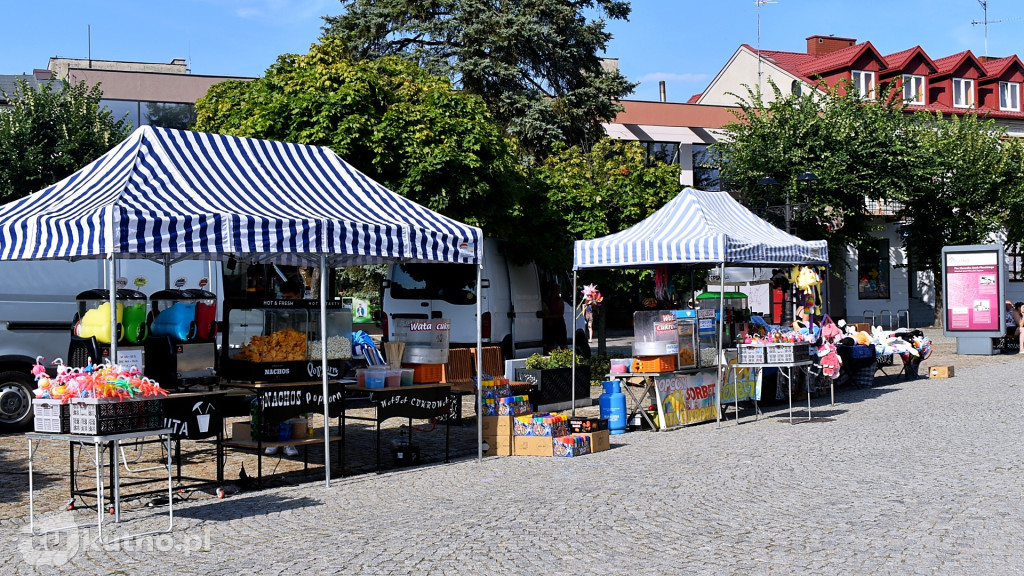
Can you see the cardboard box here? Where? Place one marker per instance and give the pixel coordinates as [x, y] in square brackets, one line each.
[862, 327]
[600, 440]
[536, 426]
[532, 446]
[941, 372]
[581, 425]
[497, 426]
[498, 445]
[571, 446]
[241, 431]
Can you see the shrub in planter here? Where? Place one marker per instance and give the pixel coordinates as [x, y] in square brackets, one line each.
[551, 376]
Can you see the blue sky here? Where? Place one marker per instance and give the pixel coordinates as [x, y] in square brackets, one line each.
[684, 42]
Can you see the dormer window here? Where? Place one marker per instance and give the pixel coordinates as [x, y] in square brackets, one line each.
[963, 92]
[913, 89]
[863, 83]
[1009, 96]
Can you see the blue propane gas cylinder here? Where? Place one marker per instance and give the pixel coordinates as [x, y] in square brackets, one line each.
[613, 406]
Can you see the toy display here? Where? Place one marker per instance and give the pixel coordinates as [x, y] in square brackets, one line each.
[105, 381]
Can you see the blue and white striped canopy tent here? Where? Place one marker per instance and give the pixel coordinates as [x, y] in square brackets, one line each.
[178, 193]
[173, 194]
[698, 227]
[694, 228]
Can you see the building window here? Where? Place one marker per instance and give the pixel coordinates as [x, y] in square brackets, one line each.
[863, 83]
[705, 172]
[1014, 262]
[873, 270]
[913, 89]
[666, 152]
[1009, 96]
[963, 92]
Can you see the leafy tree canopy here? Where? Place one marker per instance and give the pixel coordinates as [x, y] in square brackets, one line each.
[403, 127]
[534, 63]
[863, 153]
[47, 134]
[587, 194]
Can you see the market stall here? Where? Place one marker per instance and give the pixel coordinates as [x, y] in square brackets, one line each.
[169, 195]
[700, 229]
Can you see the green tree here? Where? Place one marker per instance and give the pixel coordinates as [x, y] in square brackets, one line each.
[534, 63]
[861, 151]
[401, 126]
[587, 194]
[47, 134]
[963, 198]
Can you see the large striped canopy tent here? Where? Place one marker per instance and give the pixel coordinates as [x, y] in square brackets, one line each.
[179, 193]
[698, 228]
[170, 194]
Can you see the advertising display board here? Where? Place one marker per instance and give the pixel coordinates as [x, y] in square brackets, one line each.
[973, 280]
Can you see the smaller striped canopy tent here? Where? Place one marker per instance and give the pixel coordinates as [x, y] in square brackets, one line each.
[698, 227]
[178, 194]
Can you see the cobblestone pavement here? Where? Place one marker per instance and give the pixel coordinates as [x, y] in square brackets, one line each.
[918, 477]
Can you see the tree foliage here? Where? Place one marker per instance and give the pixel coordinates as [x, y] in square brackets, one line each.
[859, 151]
[534, 63]
[586, 194]
[403, 127]
[47, 134]
[969, 181]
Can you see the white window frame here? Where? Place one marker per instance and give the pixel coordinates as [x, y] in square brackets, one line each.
[1009, 96]
[863, 83]
[913, 89]
[966, 90]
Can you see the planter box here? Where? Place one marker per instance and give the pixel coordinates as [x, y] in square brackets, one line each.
[555, 385]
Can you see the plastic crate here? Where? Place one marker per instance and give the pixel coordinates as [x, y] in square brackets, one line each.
[51, 415]
[102, 416]
[425, 373]
[787, 353]
[666, 363]
[751, 354]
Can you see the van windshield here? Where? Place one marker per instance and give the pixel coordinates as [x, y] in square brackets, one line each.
[454, 283]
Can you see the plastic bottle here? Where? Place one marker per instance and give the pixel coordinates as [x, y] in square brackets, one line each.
[613, 406]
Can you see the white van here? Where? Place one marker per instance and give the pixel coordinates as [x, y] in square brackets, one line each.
[38, 304]
[511, 302]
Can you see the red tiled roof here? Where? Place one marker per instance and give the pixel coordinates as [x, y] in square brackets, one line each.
[899, 60]
[695, 98]
[788, 61]
[838, 59]
[997, 67]
[949, 63]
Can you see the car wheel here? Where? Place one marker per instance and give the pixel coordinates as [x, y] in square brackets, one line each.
[15, 400]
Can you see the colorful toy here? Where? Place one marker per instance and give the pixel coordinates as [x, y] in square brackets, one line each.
[178, 322]
[102, 381]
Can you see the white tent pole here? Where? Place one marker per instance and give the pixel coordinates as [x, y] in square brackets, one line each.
[721, 351]
[573, 371]
[479, 366]
[113, 311]
[113, 287]
[323, 366]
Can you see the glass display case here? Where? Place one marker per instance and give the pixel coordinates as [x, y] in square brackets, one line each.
[686, 328]
[655, 333]
[273, 340]
[426, 340]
